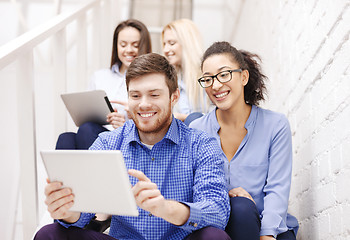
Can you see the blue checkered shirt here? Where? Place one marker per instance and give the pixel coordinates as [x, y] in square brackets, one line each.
[186, 165]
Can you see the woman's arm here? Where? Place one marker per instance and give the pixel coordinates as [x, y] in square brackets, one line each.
[278, 182]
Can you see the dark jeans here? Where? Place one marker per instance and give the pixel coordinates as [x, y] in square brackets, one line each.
[83, 139]
[244, 222]
[57, 232]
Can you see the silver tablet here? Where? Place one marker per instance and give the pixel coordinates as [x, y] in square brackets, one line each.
[99, 180]
[87, 106]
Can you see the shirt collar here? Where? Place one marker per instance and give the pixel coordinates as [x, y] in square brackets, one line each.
[172, 134]
[214, 120]
[132, 135]
[115, 69]
[248, 124]
[252, 117]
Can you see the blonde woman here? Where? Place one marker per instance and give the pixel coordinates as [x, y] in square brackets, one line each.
[182, 46]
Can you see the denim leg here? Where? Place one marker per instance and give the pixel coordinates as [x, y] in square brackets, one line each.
[289, 235]
[66, 141]
[208, 233]
[87, 134]
[56, 231]
[244, 222]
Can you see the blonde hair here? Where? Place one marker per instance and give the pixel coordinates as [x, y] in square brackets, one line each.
[192, 49]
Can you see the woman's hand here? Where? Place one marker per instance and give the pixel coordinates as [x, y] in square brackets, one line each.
[180, 116]
[267, 238]
[240, 192]
[124, 104]
[116, 119]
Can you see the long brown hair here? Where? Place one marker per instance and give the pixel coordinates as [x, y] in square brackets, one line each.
[145, 39]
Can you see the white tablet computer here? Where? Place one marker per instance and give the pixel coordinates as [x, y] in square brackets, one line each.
[99, 180]
[87, 106]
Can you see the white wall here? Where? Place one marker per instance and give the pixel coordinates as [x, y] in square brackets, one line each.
[305, 47]
[216, 20]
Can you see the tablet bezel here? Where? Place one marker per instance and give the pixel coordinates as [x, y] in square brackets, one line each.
[87, 106]
[98, 178]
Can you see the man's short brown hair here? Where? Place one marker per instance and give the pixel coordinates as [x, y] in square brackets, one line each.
[152, 63]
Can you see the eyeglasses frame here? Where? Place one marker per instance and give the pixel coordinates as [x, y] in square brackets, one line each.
[215, 76]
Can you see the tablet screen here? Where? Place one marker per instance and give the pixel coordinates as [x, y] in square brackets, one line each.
[99, 180]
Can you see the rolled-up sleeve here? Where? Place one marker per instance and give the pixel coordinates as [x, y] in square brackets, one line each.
[210, 205]
[82, 221]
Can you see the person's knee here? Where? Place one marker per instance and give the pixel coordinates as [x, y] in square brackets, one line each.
[49, 232]
[66, 141]
[87, 134]
[244, 222]
[209, 233]
[242, 207]
[288, 235]
[88, 127]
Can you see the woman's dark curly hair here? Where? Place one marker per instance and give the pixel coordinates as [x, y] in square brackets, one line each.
[255, 90]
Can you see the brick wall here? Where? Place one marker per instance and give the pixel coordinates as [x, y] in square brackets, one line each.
[305, 49]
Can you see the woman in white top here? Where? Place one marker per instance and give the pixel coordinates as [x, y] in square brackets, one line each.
[131, 39]
[182, 46]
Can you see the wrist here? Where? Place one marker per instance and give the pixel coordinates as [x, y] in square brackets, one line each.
[72, 219]
[175, 212]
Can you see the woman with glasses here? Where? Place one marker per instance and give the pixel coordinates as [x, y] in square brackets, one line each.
[256, 142]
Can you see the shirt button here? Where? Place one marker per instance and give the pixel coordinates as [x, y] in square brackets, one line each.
[153, 159]
[150, 215]
[195, 225]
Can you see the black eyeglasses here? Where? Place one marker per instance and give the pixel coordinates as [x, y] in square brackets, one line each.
[224, 76]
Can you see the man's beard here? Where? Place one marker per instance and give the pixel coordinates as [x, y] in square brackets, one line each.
[161, 123]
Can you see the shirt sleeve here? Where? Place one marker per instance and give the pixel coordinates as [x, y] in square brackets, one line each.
[210, 205]
[98, 144]
[83, 220]
[278, 182]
